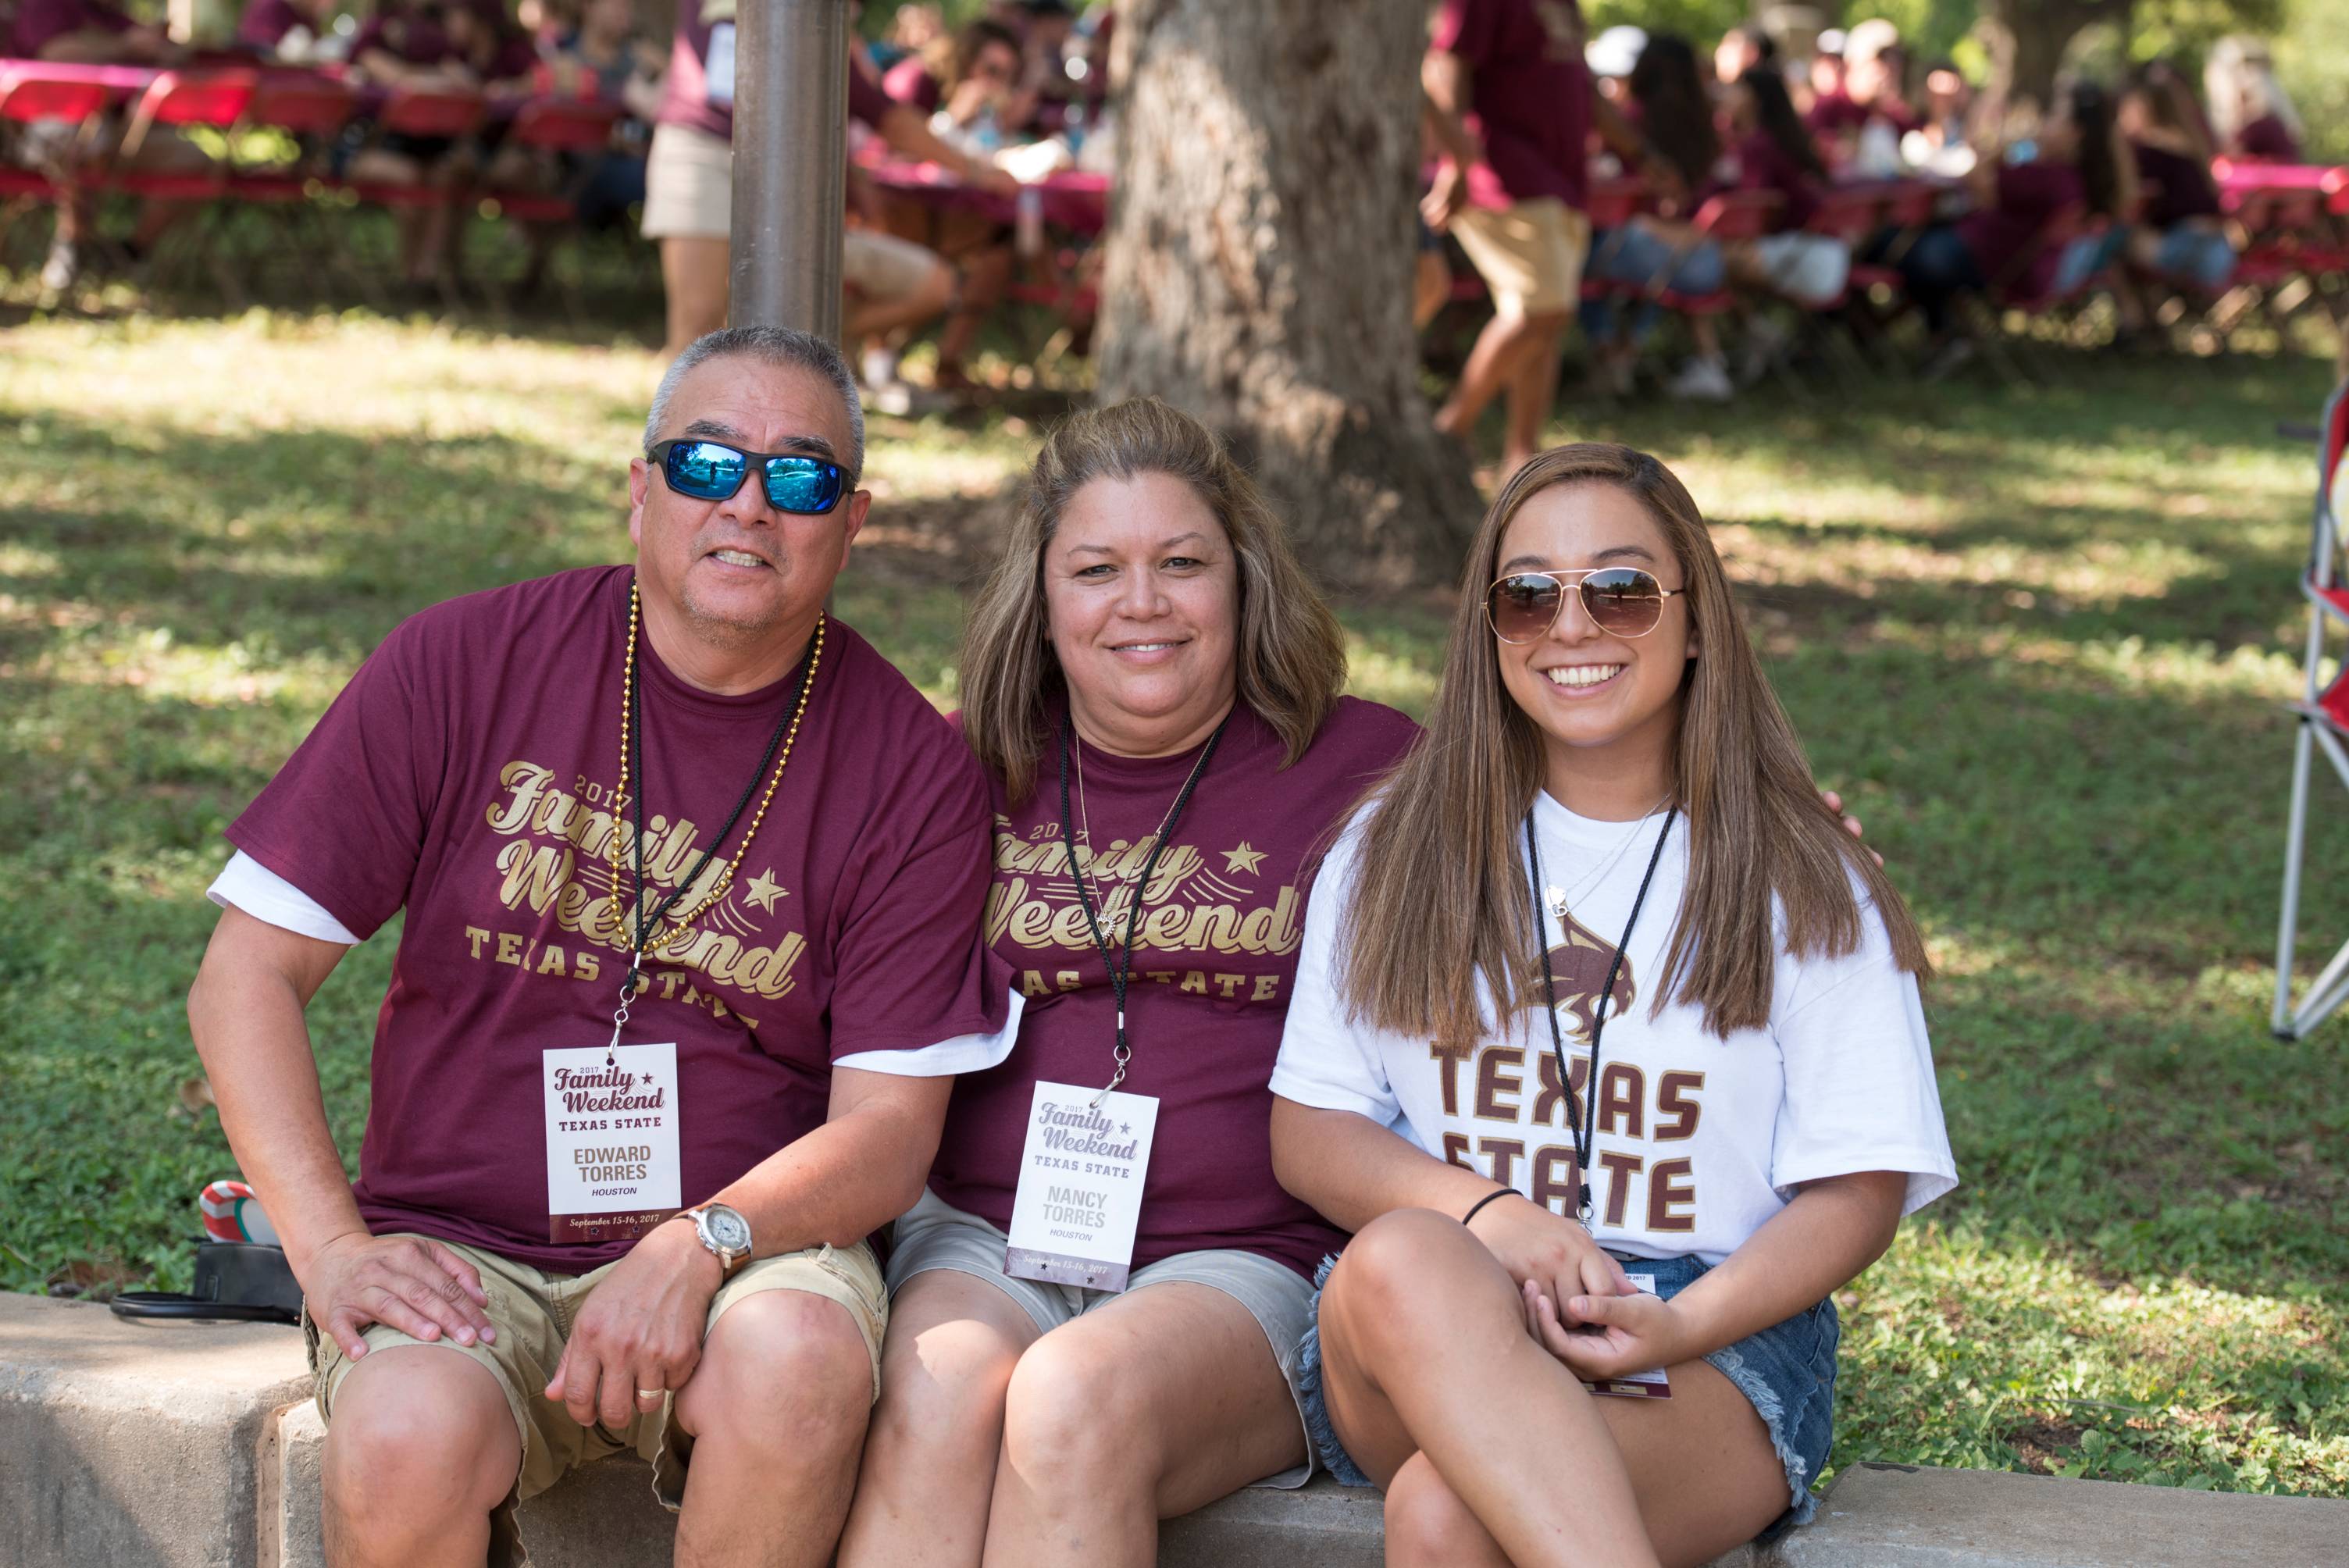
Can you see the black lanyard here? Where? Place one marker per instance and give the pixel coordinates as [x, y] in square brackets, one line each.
[637, 772]
[1122, 965]
[1585, 1128]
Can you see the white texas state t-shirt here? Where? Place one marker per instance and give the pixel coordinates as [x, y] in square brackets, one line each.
[1700, 1139]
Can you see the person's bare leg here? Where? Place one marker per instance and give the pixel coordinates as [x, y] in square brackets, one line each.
[422, 1445]
[777, 1408]
[986, 276]
[1430, 286]
[695, 274]
[1490, 363]
[1703, 1467]
[1427, 1525]
[928, 1474]
[1533, 389]
[868, 315]
[1424, 1349]
[1149, 1407]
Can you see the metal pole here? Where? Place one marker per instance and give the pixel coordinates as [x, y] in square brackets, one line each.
[790, 153]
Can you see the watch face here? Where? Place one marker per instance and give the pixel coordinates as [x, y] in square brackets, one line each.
[729, 1230]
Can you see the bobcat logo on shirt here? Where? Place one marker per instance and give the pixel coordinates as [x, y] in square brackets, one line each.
[1578, 969]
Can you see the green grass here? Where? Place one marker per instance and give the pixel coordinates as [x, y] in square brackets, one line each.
[2038, 639]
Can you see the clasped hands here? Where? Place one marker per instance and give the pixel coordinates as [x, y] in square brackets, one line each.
[1578, 1304]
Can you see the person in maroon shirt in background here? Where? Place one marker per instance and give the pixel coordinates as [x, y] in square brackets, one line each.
[2077, 168]
[2251, 117]
[2178, 242]
[1874, 64]
[1148, 623]
[1773, 150]
[689, 192]
[96, 32]
[282, 29]
[512, 768]
[432, 45]
[973, 97]
[1511, 74]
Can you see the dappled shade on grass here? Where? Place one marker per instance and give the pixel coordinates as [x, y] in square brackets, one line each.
[2038, 639]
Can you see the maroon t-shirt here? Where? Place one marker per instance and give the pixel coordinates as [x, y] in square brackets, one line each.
[467, 774]
[416, 40]
[38, 22]
[1528, 97]
[1764, 165]
[1213, 966]
[2176, 186]
[909, 81]
[265, 24]
[2268, 140]
[687, 101]
[2029, 195]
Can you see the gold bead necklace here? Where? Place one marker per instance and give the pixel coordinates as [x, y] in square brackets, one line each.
[661, 940]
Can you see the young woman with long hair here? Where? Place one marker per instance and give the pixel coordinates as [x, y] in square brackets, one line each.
[1657, 1136]
[1668, 104]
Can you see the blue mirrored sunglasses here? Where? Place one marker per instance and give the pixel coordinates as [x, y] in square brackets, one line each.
[712, 470]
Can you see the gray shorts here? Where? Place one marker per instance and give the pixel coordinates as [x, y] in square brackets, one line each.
[933, 1234]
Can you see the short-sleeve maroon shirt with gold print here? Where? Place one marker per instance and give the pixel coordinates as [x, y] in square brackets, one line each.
[468, 774]
[1214, 958]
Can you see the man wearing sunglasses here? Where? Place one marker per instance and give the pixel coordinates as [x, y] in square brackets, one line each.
[692, 883]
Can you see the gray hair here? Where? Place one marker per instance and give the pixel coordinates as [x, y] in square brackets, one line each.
[770, 346]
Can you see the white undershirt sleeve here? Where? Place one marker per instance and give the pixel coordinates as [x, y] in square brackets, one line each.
[962, 1053]
[246, 884]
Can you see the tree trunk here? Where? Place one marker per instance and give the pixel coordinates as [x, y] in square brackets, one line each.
[2027, 39]
[1259, 264]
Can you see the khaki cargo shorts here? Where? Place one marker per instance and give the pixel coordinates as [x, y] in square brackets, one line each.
[1530, 254]
[534, 1311]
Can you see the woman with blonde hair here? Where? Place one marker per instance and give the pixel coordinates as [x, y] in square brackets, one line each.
[1100, 1301]
[2251, 117]
[1609, 1046]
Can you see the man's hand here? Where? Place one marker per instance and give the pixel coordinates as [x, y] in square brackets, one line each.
[418, 1286]
[1612, 1336]
[1542, 1250]
[640, 1333]
[1444, 198]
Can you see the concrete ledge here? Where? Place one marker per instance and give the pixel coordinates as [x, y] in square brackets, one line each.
[137, 1443]
[196, 1445]
[1901, 1516]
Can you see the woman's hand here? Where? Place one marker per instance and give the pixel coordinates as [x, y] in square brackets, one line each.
[1611, 1335]
[1543, 1250]
[1850, 823]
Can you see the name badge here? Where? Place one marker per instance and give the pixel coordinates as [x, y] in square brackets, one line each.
[612, 1167]
[1639, 1384]
[1080, 1196]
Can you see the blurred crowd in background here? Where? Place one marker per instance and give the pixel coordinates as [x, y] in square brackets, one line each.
[1653, 188]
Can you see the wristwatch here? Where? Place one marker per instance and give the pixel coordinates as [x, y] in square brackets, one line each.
[724, 1232]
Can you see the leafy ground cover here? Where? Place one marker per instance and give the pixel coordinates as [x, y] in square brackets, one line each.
[2038, 638]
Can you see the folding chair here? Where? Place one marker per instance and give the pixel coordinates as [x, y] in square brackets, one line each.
[548, 128]
[2323, 715]
[29, 94]
[311, 110]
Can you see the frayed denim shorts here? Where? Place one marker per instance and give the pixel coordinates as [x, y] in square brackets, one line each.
[1787, 1371]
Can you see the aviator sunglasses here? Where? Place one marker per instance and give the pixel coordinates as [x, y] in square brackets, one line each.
[1622, 600]
[712, 470]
